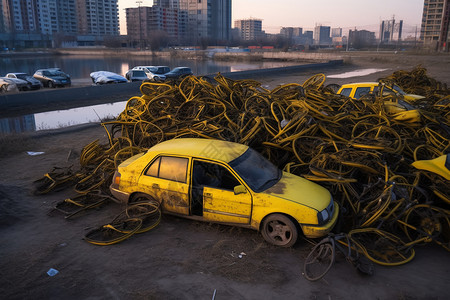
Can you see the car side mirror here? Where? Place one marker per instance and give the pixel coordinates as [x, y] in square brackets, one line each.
[240, 189]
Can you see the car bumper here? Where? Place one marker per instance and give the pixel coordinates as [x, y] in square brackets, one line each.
[119, 195]
[314, 231]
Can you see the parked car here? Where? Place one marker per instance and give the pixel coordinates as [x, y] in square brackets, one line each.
[33, 83]
[179, 72]
[225, 182]
[52, 77]
[105, 77]
[151, 72]
[22, 85]
[136, 75]
[400, 110]
[7, 85]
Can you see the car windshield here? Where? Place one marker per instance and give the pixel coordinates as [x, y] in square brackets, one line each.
[399, 90]
[259, 173]
[160, 70]
[139, 73]
[22, 76]
[52, 73]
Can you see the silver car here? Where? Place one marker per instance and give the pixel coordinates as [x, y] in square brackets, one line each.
[33, 83]
[21, 85]
[153, 73]
[6, 85]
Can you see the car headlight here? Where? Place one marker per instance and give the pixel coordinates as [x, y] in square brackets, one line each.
[325, 215]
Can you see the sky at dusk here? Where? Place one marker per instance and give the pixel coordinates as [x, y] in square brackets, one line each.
[364, 14]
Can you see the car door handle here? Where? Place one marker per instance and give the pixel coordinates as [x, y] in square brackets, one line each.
[155, 186]
[208, 195]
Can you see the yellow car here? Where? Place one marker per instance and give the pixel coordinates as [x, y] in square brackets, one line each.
[228, 183]
[400, 110]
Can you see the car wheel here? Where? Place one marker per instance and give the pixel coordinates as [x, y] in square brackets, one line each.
[156, 78]
[279, 230]
[3, 88]
[142, 197]
[51, 84]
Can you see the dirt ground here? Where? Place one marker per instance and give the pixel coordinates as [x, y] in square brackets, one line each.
[179, 259]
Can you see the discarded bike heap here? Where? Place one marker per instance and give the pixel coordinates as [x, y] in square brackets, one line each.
[357, 149]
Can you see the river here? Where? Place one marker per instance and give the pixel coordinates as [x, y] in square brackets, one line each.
[79, 67]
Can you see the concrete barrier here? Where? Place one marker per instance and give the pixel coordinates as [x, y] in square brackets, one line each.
[285, 70]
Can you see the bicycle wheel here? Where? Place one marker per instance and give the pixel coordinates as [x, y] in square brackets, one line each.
[319, 260]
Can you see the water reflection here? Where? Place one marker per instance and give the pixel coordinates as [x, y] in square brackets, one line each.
[79, 66]
[80, 115]
[61, 118]
[18, 124]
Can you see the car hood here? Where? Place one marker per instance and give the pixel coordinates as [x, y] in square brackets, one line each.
[32, 80]
[297, 189]
[16, 80]
[57, 77]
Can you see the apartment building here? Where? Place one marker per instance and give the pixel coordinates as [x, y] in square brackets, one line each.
[5, 21]
[434, 30]
[144, 21]
[249, 29]
[98, 18]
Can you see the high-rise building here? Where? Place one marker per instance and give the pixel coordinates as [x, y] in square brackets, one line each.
[322, 35]
[434, 31]
[98, 18]
[5, 18]
[207, 19]
[23, 16]
[336, 32]
[167, 3]
[57, 16]
[249, 29]
[38, 16]
[144, 21]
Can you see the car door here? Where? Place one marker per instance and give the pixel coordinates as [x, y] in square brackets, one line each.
[166, 179]
[215, 184]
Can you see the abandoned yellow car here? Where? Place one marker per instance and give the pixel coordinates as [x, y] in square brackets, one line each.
[400, 110]
[228, 183]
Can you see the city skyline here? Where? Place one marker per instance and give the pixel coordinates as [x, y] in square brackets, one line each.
[307, 14]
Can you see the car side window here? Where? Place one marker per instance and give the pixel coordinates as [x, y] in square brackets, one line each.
[213, 175]
[153, 170]
[170, 168]
[361, 91]
[388, 91]
[345, 92]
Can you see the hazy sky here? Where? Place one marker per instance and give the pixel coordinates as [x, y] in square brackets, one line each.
[364, 14]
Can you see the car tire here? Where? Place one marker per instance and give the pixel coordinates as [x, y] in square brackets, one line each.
[155, 78]
[279, 230]
[3, 88]
[51, 84]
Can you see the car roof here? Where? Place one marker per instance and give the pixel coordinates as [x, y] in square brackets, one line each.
[359, 84]
[202, 148]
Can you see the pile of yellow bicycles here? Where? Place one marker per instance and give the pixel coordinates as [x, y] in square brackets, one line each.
[391, 177]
